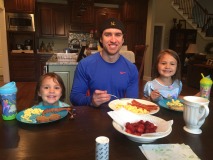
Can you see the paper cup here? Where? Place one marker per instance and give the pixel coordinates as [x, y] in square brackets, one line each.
[102, 148]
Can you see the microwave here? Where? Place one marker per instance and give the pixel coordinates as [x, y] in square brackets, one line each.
[20, 22]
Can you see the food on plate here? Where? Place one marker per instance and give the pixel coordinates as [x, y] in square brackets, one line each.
[140, 127]
[29, 112]
[137, 107]
[148, 107]
[175, 105]
[131, 108]
[43, 119]
[55, 110]
[54, 117]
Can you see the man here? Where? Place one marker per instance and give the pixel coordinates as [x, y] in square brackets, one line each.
[105, 72]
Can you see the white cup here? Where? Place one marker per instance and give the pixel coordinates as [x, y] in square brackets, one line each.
[28, 47]
[102, 148]
[194, 113]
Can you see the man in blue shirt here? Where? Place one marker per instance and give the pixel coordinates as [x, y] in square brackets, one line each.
[105, 72]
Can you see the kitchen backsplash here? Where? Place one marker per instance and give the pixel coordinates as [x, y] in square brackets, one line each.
[75, 39]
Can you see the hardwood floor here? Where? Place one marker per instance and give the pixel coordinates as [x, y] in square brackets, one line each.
[26, 92]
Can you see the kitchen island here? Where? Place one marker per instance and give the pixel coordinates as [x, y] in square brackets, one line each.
[65, 69]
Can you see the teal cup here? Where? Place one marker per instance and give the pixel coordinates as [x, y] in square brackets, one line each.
[8, 101]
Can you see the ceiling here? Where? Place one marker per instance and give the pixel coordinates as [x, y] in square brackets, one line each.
[109, 1]
[102, 1]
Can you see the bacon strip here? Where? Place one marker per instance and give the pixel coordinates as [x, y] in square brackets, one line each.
[55, 110]
[148, 107]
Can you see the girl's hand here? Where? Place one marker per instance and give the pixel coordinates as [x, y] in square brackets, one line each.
[155, 94]
[99, 97]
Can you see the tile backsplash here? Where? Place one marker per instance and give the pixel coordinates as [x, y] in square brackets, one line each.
[79, 37]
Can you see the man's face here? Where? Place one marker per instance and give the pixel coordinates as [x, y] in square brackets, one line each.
[112, 40]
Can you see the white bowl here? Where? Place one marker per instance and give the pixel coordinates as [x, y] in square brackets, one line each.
[161, 131]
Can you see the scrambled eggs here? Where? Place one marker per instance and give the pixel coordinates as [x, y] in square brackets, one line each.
[29, 112]
[175, 104]
[131, 108]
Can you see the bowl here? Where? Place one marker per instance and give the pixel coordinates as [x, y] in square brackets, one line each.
[161, 132]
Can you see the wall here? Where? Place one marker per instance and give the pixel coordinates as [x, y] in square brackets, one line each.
[163, 13]
[4, 66]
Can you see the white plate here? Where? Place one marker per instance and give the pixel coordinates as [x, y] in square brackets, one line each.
[143, 138]
[124, 101]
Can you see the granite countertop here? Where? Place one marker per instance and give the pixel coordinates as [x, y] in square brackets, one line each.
[54, 61]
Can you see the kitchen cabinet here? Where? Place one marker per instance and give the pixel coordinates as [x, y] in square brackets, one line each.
[23, 67]
[134, 10]
[53, 20]
[22, 39]
[67, 74]
[82, 21]
[179, 41]
[41, 63]
[83, 17]
[101, 14]
[134, 16]
[20, 6]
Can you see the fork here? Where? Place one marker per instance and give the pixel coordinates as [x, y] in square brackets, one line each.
[113, 96]
[162, 95]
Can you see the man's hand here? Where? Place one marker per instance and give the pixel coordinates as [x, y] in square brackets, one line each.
[99, 97]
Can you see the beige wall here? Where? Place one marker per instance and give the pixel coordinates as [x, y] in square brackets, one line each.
[4, 66]
[161, 12]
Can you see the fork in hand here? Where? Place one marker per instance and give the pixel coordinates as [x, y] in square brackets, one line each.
[113, 96]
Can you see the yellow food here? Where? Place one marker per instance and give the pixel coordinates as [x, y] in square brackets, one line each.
[29, 112]
[175, 104]
[131, 108]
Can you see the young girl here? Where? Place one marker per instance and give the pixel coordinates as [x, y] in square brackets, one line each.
[167, 77]
[50, 91]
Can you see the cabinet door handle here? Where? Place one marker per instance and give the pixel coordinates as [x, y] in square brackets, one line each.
[45, 70]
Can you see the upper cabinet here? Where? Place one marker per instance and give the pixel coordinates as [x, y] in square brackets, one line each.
[134, 16]
[101, 14]
[134, 10]
[53, 20]
[20, 6]
[82, 15]
[82, 12]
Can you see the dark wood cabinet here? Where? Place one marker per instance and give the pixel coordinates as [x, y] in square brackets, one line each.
[81, 20]
[134, 16]
[41, 63]
[20, 6]
[53, 20]
[101, 14]
[83, 17]
[23, 67]
[134, 10]
[179, 41]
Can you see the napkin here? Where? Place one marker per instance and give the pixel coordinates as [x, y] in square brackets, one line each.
[168, 152]
[122, 116]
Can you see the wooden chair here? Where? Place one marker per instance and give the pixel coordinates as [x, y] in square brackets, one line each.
[140, 52]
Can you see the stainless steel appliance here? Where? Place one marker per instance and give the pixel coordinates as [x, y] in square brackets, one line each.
[20, 22]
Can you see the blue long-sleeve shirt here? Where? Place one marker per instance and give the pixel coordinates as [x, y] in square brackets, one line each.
[93, 73]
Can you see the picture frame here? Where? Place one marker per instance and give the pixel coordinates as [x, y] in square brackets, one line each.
[182, 24]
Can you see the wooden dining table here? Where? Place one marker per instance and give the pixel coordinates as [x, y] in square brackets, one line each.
[74, 139]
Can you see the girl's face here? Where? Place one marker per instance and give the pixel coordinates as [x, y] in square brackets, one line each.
[50, 91]
[112, 40]
[167, 66]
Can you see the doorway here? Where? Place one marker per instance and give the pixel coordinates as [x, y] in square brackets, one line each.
[157, 41]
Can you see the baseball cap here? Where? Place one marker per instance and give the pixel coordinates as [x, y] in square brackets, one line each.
[112, 23]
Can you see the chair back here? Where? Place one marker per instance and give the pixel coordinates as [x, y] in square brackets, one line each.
[140, 52]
